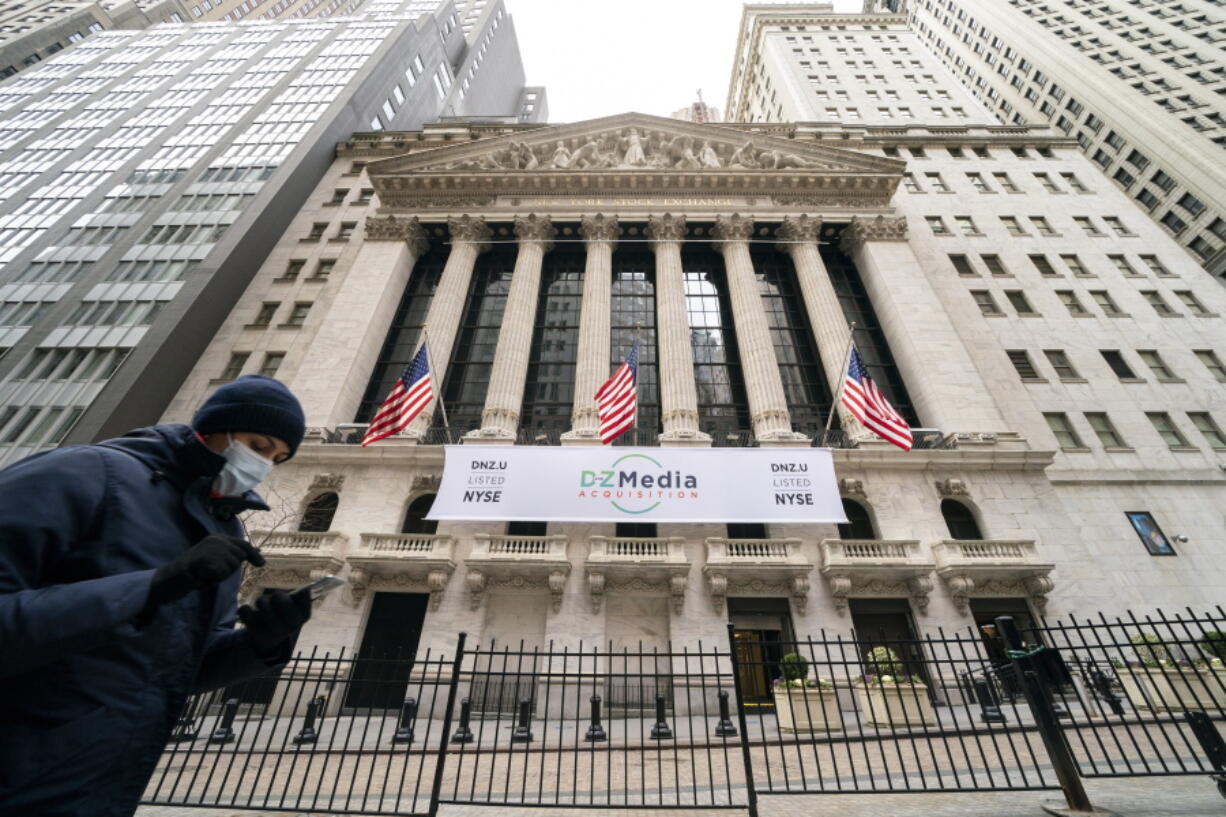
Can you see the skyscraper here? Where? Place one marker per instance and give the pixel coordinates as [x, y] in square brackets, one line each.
[1140, 86]
[144, 177]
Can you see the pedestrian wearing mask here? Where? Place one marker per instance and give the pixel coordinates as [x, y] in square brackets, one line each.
[119, 571]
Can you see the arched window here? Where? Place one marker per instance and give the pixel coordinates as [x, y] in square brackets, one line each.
[317, 517]
[859, 523]
[960, 520]
[637, 530]
[415, 520]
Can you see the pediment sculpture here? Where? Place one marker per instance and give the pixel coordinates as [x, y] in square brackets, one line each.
[635, 148]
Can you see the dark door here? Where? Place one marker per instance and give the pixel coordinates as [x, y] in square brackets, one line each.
[888, 623]
[985, 612]
[763, 635]
[389, 644]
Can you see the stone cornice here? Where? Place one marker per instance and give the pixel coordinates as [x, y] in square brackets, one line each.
[878, 229]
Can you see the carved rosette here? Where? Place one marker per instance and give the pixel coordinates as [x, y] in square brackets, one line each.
[535, 228]
[475, 580]
[398, 228]
[323, 483]
[599, 228]
[795, 231]
[676, 589]
[665, 228]
[731, 229]
[595, 588]
[717, 583]
[557, 585]
[877, 229]
[951, 487]
[471, 230]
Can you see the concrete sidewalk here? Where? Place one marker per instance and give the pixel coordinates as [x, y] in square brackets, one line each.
[1194, 796]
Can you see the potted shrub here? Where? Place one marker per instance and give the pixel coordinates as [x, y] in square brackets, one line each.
[804, 704]
[1156, 680]
[889, 696]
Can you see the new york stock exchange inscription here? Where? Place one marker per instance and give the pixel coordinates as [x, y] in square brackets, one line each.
[627, 201]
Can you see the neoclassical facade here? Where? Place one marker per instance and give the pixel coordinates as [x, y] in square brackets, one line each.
[740, 256]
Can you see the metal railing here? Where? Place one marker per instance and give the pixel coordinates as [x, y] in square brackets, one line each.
[713, 725]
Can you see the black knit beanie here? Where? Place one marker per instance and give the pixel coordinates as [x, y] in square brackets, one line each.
[256, 404]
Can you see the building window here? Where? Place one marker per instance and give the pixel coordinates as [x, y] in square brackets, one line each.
[1192, 204]
[1208, 428]
[994, 264]
[1066, 435]
[264, 316]
[1123, 265]
[985, 302]
[723, 408]
[549, 387]
[962, 265]
[634, 305]
[1118, 365]
[1018, 299]
[960, 520]
[345, 231]
[1061, 364]
[1087, 225]
[1044, 266]
[977, 181]
[966, 225]
[937, 225]
[272, 362]
[1167, 430]
[323, 267]
[911, 185]
[937, 183]
[293, 269]
[1107, 303]
[1156, 266]
[1138, 160]
[1069, 299]
[1046, 181]
[1193, 304]
[1108, 437]
[1117, 226]
[297, 315]
[235, 366]
[317, 231]
[1156, 364]
[338, 196]
[1043, 227]
[1006, 183]
[1012, 225]
[317, 518]
[1020, 359]
[1212, 362]
[1154, 298]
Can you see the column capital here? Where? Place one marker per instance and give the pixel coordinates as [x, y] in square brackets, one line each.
[878, 229]
[395, 228]
[802, 230]
[729, 229]
[666, 228]
[535, 228]
[470, 229]
[599, 228]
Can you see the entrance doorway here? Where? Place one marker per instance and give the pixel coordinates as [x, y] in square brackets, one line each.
[888, 623]
[763, 634]
[389, 645]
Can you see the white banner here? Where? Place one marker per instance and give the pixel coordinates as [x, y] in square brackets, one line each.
[606, 484]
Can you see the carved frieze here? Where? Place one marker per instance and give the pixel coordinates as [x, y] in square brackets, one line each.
[323, 483]
[880, 228]
[951, 487]
[851, 487]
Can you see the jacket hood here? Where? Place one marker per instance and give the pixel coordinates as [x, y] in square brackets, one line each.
[175, 452]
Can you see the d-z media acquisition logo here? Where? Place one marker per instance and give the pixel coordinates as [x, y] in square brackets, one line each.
[636, 484]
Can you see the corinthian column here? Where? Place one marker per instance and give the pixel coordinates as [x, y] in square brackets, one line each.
[334, 373]
[798, 238]
[505, 397]
[678, 392]
[768, 403]
[469, 238]
[592, 362]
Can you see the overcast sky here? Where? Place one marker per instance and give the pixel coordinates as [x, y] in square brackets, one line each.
[602, 57]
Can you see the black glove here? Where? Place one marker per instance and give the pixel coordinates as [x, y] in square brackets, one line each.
[275, 617]
[211, 560]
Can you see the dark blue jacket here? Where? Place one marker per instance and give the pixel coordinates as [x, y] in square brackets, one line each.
[90, 689]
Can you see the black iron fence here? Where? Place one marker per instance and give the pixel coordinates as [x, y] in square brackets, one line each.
[713, 726]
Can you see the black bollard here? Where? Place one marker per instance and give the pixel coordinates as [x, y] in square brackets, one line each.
[1101, 682]
[989, 703]
[660, 731]
[724, 728]
[595, 732]
[224, 733]
[522, 734]
[408, 714]
[308, 735]
[463, 734]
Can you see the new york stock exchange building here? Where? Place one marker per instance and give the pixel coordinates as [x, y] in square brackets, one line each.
[1043, 481]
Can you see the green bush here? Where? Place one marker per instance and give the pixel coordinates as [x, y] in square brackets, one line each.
[883, 661]
[794, 667]
[1213, 644]
[1149, 649]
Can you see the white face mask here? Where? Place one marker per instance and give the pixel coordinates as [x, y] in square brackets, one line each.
[244, 469]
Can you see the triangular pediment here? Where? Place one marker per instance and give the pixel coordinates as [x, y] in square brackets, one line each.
[635, 142]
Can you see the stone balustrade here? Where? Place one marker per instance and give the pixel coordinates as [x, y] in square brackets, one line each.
[409, 545]
[871, 567]
[761, 563]
[993, 567]
[640, 561]
[517, 561]
[415, 560]
[292, 559]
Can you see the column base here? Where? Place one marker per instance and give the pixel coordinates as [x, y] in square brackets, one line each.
[489, 436]
[786, 439]
[581, 436]
[686, 436]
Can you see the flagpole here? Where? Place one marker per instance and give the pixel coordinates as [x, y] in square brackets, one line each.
[838, 394]
[425, 339]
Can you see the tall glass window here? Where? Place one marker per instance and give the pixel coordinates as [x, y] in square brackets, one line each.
[472, 360]
[549, 392]
[870, 340]
[723, 410]
[634, 307]
[405, 333]
[800, 367]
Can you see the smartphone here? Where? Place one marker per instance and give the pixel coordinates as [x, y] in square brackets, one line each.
[316, 590]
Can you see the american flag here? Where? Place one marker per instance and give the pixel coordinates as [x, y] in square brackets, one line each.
[411, 394]
[617, 399]
[870, 407]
